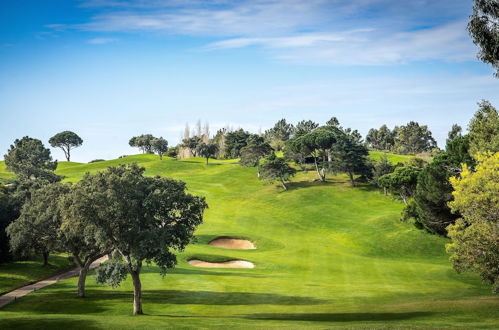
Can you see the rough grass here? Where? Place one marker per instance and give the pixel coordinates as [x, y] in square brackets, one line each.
[328, 256]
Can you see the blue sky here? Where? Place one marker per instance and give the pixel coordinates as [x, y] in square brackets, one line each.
[110, 69]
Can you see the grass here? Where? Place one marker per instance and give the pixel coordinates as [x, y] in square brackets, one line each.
[328, 256]
[19, 273]
[393, 158]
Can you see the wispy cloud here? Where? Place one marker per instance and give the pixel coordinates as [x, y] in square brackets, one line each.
[101, 41]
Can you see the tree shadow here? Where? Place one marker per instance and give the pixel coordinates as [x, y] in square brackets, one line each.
[186, 271]
[46, 323]
[338, 317]
[307, 184]
[98, 301]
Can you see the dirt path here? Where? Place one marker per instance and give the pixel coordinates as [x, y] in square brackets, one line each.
[21, 292]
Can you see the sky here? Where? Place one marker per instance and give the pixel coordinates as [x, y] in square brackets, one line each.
[109, 69]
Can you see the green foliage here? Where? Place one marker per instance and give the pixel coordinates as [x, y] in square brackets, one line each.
[484, 30]
[281, 131]
[381, 167]
[172, 152]
[380, 139]
[35, 231]
[413, 138]
[66, 140]
[276, 169]
[96, 160]
[143, 142]
[351, 157]
[159, 146]
[402, 181]
[484, 129]
[304, 127]
[456, 131]
[256, 149]
[7, 215]
[235, 141]
[207, 150]
[475, 237]
[29, 159]
[112, 273]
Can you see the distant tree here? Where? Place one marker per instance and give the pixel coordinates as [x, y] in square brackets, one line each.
[456, 131]
[66, 140]
[434, 191]
[484, 129]
[254, 151]
[279, 134]
[192, 144]
[381, 167]
[475, 237]
[207, 150]
[414, 138]
[172, 152]
[143, 142]
[143, 219]
[351, 157]
[30, 160]
[304, 127]
[333, 122]
[382, 139]
[402, 181]
[159, 146]
[35, 231]
[484, 30]
[235, 141]
[276, 169]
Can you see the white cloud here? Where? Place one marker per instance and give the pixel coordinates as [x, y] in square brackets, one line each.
[101, 41]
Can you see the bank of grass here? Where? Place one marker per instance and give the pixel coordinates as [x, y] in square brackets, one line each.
[19, 273]
[328, 256]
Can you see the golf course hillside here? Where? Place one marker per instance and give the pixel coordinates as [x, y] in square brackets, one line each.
[317, 255]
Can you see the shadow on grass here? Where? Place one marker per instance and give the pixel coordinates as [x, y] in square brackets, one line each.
[338, 317]
[98, 301]
[185, 271]
[308, 184]
[46, 323]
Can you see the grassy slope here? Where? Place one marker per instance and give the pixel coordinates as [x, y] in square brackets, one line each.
[16, 274]
[393, 158]
[328, 255]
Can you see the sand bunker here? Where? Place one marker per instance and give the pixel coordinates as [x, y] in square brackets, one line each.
[232, 243]
[225, 264]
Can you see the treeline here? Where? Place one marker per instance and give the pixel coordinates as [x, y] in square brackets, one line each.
[119, 212]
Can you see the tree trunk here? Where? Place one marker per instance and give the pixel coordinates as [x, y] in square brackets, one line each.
[352, 182]
[258, 170]
[385, 191]
[206, 160]
[137, 293]
[69, 154]
[283, 185]
[45, 256]
[403, 198]
[317, 169]
[83, 276]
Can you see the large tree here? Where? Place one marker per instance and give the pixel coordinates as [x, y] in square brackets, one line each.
[475, 236]
[144, 219]
[30, 160]
[254, 151]
[380, 139]
[402, 182]
[234, 142]
[66, 140]
[159, 146]
[413, 138]
[276, 169]
[279, 134]
[7, 214]
[484, 29]
[351, 156]
[36, 229]
[207, 150]
[304, 127]
[143, 142]
[484, 129]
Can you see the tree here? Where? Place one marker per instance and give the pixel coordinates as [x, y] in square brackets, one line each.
[235, 141]
[402, 181]
[192, 144]
[484, 129]
[207, 150]
[380, 168]
[37, 227]
[279, 134]
[172, 152]
[66, 140]
[143, 142]
[382, 139]
[30, 160]
[434, 191]
[456, 131]
[159, 146]
[333, 122]
[276, 169]
[143, 219]
[475, 236]
[304, 127]
[484, 30]
[414, 138]
[7, 215]
[351, 157]
[254, 151]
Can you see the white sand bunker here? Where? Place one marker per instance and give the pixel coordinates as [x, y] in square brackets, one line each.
[225, 264]
[233, 243]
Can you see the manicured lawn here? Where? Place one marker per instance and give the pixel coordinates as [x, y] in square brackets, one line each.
[393, 158]
[18, 273]
[327, 255]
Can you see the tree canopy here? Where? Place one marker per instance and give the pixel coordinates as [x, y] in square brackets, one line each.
[235, 141]
[143, 142]
[207, 150]
[159, 146]
[276, 169]
[254, 151]
[484, 129]
[66, 140]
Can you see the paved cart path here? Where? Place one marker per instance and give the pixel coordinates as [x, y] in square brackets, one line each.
[21, 292]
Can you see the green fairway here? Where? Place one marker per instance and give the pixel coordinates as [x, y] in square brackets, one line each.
[393, 158]
[327, 255]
